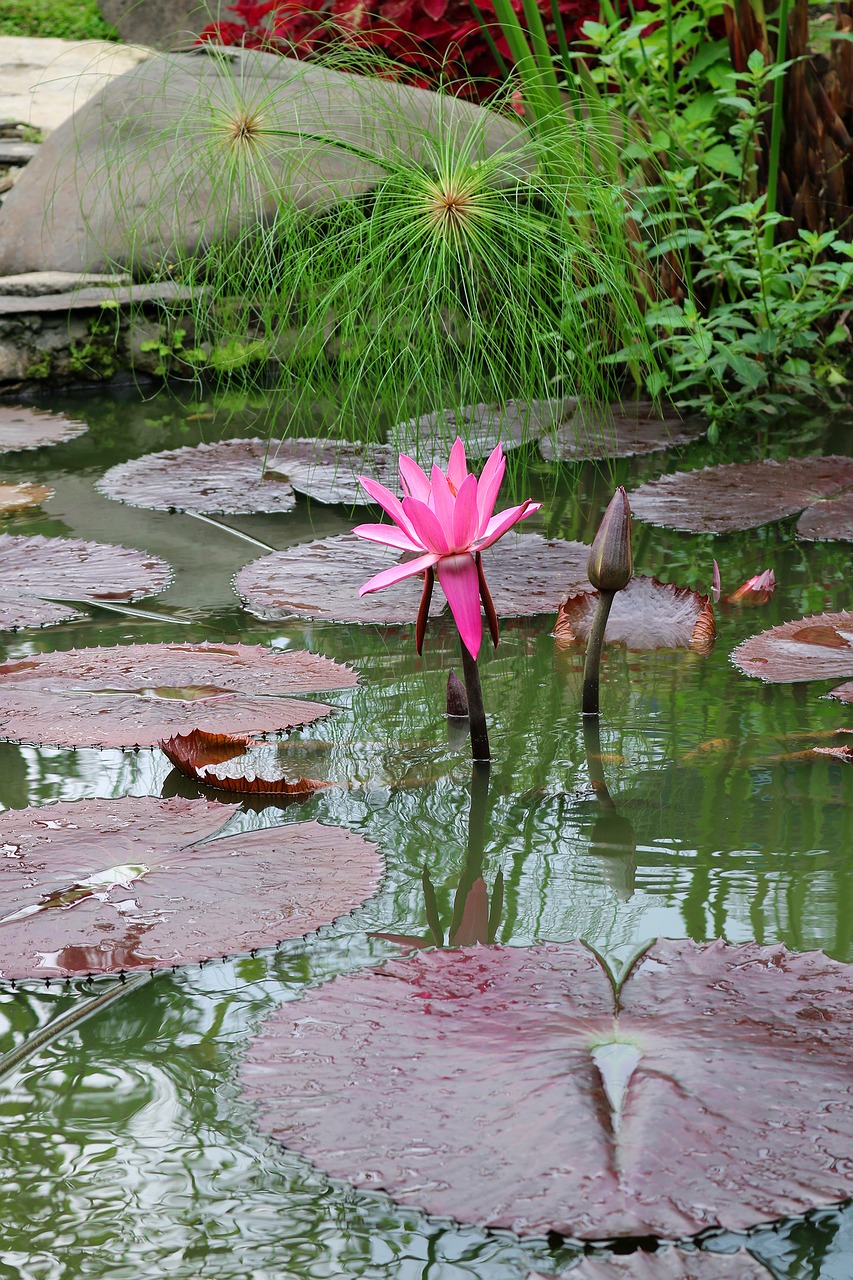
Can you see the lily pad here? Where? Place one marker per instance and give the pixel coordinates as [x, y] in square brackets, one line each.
[828, 521]
[647, 614]
[16, 497]
[481, 426]
[527, 574]
[617, 431]
[712, 1091]
[815, 648]
[36, 571]
[234, 764]
[24, 428]
[757, 590]
[233, 477]
[740, 495]
[137, 695]
[667, 1264]
[327, 471]
[109, 886]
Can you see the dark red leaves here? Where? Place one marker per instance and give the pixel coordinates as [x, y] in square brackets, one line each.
[252, 766]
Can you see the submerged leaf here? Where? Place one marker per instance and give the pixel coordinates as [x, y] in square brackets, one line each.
[815, 648]
[186, 890]
[617, 431]
[647, 614]
[195, 753]
[740, 495]
[735, 1112]
[26, 428]
[35, 572]
[136, 695]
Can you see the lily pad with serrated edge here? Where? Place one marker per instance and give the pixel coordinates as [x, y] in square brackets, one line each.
[666, 1264]
[35, 572]
[830, 520]
[480, 426]
[235, 764]
[647, 614]
[740, 495]
[815, 648]
[110, 886]
[527, 574]
[617, 431]
[25, 428]
[17, 497]
[712, 1090]
[137, 695]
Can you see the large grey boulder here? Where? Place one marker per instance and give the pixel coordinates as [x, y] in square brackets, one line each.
[163, 24]
[188, 148]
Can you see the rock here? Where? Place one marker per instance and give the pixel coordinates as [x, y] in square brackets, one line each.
[185, 148]
[43, 81]
[160, 23]
[33, 284]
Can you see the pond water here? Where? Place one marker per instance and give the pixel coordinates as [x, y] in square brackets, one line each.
[127, 1149]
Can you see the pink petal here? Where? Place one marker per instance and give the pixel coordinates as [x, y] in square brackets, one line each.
[390, 504]
[413, 480]
[498, 525]
[465, 517]
[457, 466]
[442, 503]
[458, 577]
[490, 482]
[426, 526]
[388, 534]
[397, 573]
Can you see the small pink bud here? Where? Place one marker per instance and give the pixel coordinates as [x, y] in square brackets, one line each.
[611, 561]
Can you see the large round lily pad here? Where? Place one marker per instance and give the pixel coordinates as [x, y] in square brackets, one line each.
[481, 426]
[328, 470]
[513, 1088]
[107, 886]
[36, 571]
[527, 574]
[667, 1264]
[828, 521]
[647, 614]
[24, 428]
[137, 695]
[617, 431]
[740, 495]
[233, 477]
[815, 648]
[17, 497]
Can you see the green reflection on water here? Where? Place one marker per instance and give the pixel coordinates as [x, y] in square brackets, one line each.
[127, 1149]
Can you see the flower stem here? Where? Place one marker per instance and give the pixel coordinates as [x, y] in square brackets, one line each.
[593, 653]
[476, 712]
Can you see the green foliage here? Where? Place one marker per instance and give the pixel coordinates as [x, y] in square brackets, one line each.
[62, 19]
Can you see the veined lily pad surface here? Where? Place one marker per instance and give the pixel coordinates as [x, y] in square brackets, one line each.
[109, 886]
[35, 571]
[234, 764]
[527, 574]
[742, 495]
[828, 521]
[619, 432]
[667, 1264]
[513, 1088]
[815, 648]
[137, 695]
[647, 614]
[17, 497]
[481, 426]
[328, 470]
[26, 428]
[233, 477]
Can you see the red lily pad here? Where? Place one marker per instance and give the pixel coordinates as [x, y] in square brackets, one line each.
[17, 497]
[481, 426]
[647, 614]
[327, 471]
[828, 521]
[617, 431]
[23, 428]
[668, 1264]
[527, 574]
[137, 695]
[233, 477]
[109, 886]
[35, 571]
[740, 495]
[712, 1091]
[815, 648]
[251, 767]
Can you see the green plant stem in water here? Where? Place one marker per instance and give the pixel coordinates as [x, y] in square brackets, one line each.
[592, 663]
[595, 768]
[476, 711]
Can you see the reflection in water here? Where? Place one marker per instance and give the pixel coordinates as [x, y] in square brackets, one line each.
[612, 836]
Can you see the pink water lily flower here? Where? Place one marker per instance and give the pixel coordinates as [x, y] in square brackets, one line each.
[447, 520]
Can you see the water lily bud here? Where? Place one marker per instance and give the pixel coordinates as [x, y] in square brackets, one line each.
[611, 562]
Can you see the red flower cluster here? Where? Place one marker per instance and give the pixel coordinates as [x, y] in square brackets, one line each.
[429, 38]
